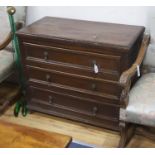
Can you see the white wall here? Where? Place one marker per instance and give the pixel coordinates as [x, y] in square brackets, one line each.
[126, 15]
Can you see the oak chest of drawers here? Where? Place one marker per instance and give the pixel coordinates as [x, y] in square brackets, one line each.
[72, 67]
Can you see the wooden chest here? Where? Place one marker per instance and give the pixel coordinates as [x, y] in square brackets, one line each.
[72, 67]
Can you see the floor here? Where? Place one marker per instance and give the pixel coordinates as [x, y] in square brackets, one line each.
[4, 89]
[95, 136]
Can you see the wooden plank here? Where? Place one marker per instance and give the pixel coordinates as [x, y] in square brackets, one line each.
[9, 92]
[92, 135]
[106, 34]
[18, 136]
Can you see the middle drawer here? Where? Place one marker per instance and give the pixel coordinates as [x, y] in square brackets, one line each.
[59, 78]
[54, 99]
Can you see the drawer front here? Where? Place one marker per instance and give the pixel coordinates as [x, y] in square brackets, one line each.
[88, 60]
[77, 70]
[91, 84]
[84, 107]
[92, 96]
[104, 123]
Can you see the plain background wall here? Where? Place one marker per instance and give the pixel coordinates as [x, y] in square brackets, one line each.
[133, 15]
[125, 15]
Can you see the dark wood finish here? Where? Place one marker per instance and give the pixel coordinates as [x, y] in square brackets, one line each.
[128, 74]
[9, 93]
[59, 100]
[126, 82]
[67, 68]
[77, 58]
[148, 132]
[126, 132]
[115, 36]
[18, 136]
[84, 94]
[75, 81]
[73, 67]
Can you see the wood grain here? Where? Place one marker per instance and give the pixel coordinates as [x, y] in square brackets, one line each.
[110, 48]
[127, 75]
[95, 136]
[9, 92]
[17, 136]
[5, 42]
[8, 37]
[106, 34]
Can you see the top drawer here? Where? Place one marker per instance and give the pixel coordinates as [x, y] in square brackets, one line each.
[95, 62]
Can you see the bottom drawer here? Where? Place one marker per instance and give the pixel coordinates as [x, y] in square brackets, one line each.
[113, 125]
[73, 108]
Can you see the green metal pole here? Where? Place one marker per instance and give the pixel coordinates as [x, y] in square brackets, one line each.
[21, 103]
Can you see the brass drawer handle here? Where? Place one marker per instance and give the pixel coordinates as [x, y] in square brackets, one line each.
[48, 77]
[45, 55]
[50, 101]
[95, 67]
[94, 87]
[94, 111]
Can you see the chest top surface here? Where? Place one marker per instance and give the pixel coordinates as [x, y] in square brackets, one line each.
[98, 33]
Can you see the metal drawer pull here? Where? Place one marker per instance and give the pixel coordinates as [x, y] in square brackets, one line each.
[48, 77]
[93, 86]
[95, 109]
[45, 55]
[95, 67]
[50, 100]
